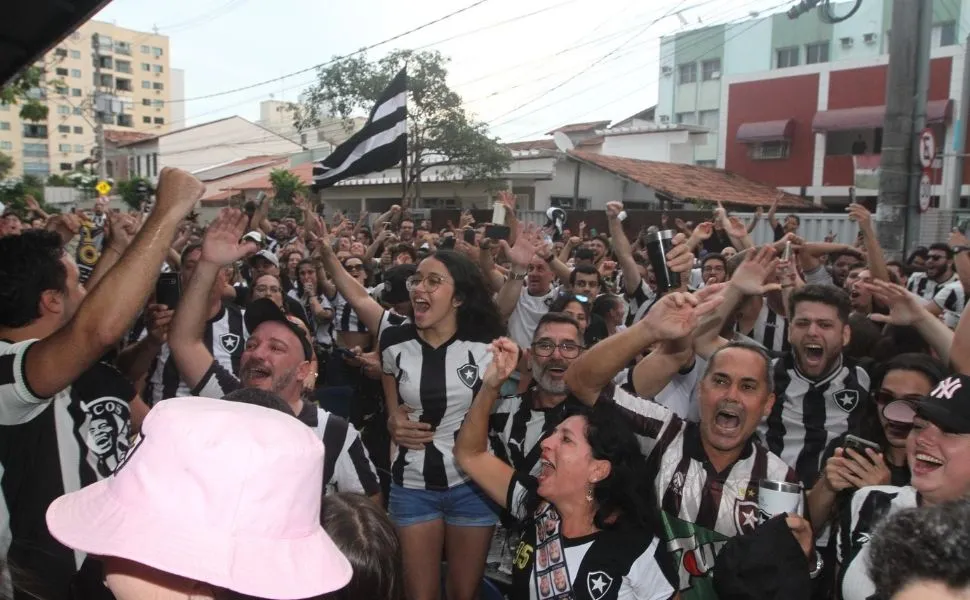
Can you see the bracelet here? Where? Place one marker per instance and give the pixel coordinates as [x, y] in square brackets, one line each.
[549, 258]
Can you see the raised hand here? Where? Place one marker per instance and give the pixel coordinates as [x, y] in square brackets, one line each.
[664, 220]
[905, 308]
[703, 232]
[680, 259]
[158, 318]
[861, 215]
[677, 314]
[508, 199]
[735, 228]
[613, 209]
[221, 243]
[958, 239]
[525, 247]
[32, 203]
[121, 230]
[177, 193]
[505, 357]
[750, 276]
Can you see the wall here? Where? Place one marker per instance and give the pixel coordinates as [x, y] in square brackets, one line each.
[645, 146]
[867, 86]
[747, 47]
[596, 185]
[783, 98]
[219, 142]
[867, 20]
[177, 91]
[667, 83]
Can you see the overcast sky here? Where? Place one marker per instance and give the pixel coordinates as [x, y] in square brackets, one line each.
[506, 72]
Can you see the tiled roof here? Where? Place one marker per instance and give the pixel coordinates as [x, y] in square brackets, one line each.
[532, 145]
[125, 137]
[593, 141]
[181, 130]
[690, 182]
[238, 166]
[580, 127]
[219, 198]
[304, 172]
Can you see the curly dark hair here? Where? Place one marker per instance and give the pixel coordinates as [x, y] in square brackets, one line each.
[478, 316]
[312, 263]
[928, 544]
[31, 265]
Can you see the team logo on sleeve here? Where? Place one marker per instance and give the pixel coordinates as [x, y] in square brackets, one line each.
[598, 583]
[468, 373]
[229, 342]
[847, 399]
[747, 516]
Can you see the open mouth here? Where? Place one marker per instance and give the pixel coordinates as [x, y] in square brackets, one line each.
[814, 353]
[556, 370]
[728, 419]
[255, 375]
[926, 463]
[546, 468]
[420, 306]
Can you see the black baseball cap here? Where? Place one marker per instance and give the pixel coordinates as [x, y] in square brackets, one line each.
[396, 283]
[947, 406]
[264, 310]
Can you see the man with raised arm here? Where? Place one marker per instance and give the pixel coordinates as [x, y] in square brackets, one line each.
[66, 417]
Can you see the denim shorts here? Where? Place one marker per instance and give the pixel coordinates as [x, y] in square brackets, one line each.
[464, 505]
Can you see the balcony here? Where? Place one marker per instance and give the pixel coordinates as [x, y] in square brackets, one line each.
[839, 170]
[122, 48]
[35, 131]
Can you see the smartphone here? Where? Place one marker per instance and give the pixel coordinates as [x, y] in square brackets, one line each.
[497, 232]
[387, 225]
[498, 213]
[859, 444]
[469, 236]
[260, 197]
[448, 243]
[344, 353]
[168, 290]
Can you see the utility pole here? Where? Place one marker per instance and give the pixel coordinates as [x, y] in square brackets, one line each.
[99, 109]
[907, 83]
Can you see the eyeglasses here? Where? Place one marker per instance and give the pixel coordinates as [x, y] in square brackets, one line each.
[885, 397]
[431, 282]
[266, 289]
[936, 257]
[351, 268]
[545, 349]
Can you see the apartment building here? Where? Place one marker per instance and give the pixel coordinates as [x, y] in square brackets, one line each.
[127, 71]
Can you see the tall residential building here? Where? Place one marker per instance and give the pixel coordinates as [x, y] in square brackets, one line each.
[278, 117]
[129, 70]
[696, 65]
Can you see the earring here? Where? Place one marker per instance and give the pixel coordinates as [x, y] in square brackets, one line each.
[589, 492]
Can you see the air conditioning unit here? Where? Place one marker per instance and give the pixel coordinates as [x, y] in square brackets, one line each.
[716, 75]
[847, 42]
[667, 70]
[869, 38]
[664, 118]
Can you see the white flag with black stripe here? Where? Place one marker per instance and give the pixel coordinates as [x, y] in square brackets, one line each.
[381, 144]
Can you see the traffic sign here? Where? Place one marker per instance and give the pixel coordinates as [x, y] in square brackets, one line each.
[103, 187]
[927, 148]
[925, 190]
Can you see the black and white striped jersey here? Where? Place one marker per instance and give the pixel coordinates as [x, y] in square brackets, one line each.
[770, 330]
[808, 414]
[345, 318]
[870, 507]
[920, 284]
[438, 384]
[50, 447]
[225, 337]
[323, 332]
[639, 303]
[516, 427]
[701, 508]
[347, 466]
[951, 298]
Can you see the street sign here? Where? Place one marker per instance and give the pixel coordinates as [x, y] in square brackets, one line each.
[927, 148]
[103, 187]
[925, 190]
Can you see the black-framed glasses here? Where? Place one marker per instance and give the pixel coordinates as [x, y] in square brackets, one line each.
[545, 349]
[431, 282]
[352, 268]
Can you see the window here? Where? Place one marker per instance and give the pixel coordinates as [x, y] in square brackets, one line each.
[566, 202]
[76, 73]
[61, 72]
[686, 118]
[687, 73]
[156, 52]
[711, 69]
[78, 129]
[75, 54]
[123, 84]
[146, 67]
[158, 86]
[817, 53]
[146, 85]
[64, 147]
[710, 119]
[6, 145]
[155, 164]
[320, 136]
[157, 68]
[106, 119]
[40, 168]
[123, 65]
[126, 121]
[61, 90]
[145, 49]
[76, 111]
[123, 48]
[105, 41]
[159, 121]
[146, 102]
[64, 129]
[786, 57]
[78, 147]
[944, 34]
[303, 139]
[76, 92]
[106, 80]
[106, 62]
[769, 150]
[35, 150]
[4, 125]
[146, 120]
[63, 109]
[64, 166]
[158, 103]
[61, 53]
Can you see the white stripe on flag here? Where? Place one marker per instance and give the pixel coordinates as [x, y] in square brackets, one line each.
[381, 139]
[390, 106]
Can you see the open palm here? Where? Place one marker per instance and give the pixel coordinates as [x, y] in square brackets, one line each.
[505, 356]
[749, 278]
[221, 244]
[904, 306]
[525, 247]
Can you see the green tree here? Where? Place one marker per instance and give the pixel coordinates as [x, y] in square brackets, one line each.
[128, 190]
[22, 90]
[439, 129]
[6, 165]
[13, 193]
[286, 184]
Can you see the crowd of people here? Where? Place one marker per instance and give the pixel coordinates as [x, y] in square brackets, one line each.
[301, 407]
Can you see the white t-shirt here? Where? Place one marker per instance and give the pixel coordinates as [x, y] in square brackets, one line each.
[525, 318]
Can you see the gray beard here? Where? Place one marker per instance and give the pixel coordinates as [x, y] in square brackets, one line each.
[545, 383]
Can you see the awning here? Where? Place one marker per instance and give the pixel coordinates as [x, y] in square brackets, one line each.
[765, 131]
[872, 117]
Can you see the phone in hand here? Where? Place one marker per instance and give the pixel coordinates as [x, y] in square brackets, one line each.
[859, 445]
[168, 290]
[497, 232]
[469, 236]
[345, 353]
[448, 243]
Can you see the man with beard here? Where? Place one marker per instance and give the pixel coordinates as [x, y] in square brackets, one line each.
[707, 471]
[939, 272]
[276, 358]
[820, 391]
[523, 306]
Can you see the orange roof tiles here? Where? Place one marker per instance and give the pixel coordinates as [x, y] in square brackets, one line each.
[580, 127]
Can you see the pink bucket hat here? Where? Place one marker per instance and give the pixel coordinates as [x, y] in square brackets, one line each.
[220, 492]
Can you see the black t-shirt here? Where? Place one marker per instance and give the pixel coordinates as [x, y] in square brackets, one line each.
[779, 230]
[717, 242]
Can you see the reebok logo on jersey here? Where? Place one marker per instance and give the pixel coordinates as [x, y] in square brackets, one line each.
[468, 373]
[229, 342]
[847, 399]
